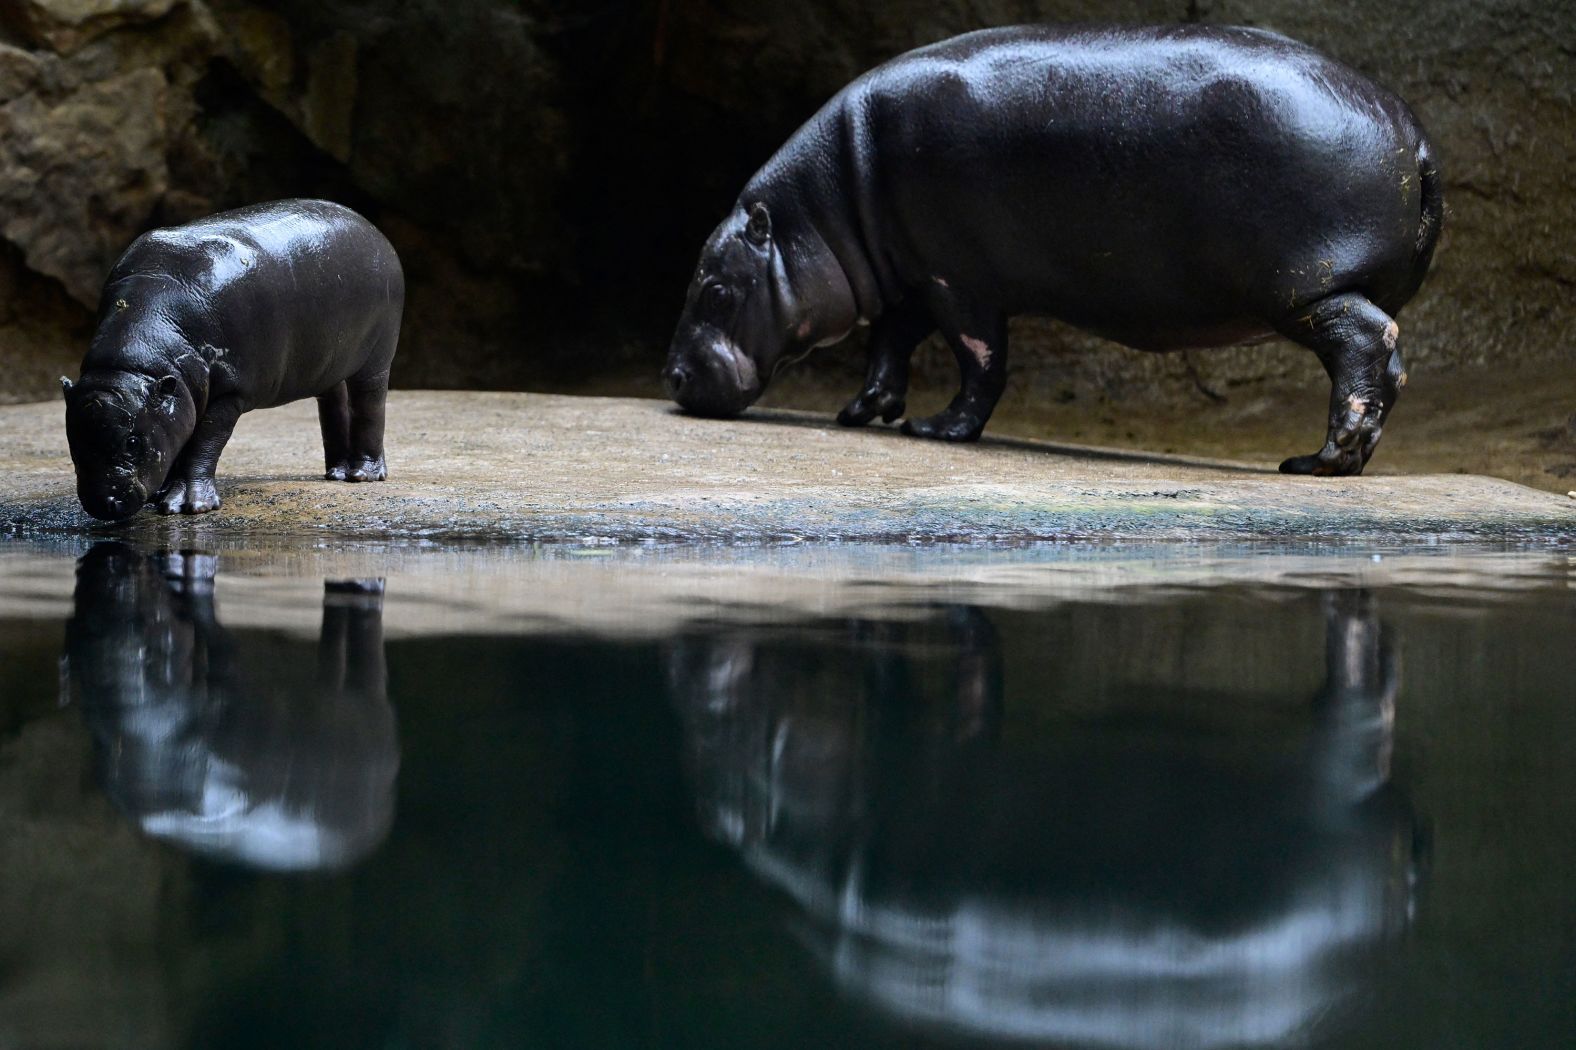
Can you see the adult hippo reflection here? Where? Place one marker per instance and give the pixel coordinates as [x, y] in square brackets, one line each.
[226, 744]
[1128, 885]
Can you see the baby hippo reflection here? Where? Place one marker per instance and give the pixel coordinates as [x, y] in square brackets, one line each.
[234, 745]
[1126, 882]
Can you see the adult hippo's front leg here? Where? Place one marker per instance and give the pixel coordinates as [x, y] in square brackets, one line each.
[978, 337]
[893, 340]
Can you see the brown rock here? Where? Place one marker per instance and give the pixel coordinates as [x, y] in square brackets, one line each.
[66, 25]
[81, 174]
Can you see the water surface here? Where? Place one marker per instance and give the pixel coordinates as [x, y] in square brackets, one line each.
[819, 797]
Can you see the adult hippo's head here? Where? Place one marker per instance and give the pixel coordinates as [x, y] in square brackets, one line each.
[763, 295]
[125, 431]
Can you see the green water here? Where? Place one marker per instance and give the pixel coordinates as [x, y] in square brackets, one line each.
[814, 798]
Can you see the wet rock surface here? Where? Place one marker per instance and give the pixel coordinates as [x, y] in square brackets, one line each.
[548, 469]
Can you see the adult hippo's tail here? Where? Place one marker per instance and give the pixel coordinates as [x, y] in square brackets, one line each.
[1433, 208]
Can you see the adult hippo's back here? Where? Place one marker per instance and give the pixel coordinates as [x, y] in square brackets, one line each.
[1167, 187]
[245, 309]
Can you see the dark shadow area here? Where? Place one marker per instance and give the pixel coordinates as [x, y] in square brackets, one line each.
[788, 417]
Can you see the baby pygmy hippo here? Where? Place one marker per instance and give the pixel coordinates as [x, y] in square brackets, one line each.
[245, 309]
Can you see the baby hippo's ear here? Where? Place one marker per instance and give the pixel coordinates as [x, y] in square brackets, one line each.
[65, 386]
[759, 228]
[165, 390]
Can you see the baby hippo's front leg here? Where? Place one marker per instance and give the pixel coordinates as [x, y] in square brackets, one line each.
[189, 489]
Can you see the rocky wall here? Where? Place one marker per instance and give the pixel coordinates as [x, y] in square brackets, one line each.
[549, 168]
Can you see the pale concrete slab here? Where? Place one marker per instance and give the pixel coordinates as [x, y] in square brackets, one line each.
[551, 468]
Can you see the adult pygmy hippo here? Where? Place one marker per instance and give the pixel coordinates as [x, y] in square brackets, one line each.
[245, 309]
[1166, 187]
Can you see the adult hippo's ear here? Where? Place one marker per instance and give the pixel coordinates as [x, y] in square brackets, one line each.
[759, 228]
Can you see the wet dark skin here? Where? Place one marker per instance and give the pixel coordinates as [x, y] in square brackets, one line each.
[201, 753]
[246, 309]
[1165, 187]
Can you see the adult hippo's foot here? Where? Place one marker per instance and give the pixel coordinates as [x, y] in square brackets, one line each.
[1352, 440]
[886, 403]
[183, 496]
[1358, 344]
[952, 424]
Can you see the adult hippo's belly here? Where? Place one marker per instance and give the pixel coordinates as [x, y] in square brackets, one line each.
[1166, 187]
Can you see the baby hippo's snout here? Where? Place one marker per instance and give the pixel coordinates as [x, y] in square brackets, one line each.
[111, 504]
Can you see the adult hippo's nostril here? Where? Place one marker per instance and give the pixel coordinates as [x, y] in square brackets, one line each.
[675, 378]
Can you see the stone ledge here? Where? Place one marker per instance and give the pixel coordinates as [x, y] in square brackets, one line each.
[547, 468]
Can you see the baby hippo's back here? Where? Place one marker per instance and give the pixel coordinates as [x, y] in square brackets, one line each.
[289, 297]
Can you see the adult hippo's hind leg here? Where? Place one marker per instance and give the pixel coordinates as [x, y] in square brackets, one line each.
[333, 416]
[368, 396]
[896, 335]
[1358, 345]
[978, 337]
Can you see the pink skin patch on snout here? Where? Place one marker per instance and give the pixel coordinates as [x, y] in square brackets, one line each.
[978, 347]
[804, 329]
[739, 363]
[1392, 332]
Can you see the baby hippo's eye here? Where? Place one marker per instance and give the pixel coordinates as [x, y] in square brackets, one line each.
[716, 297]
[134, 445]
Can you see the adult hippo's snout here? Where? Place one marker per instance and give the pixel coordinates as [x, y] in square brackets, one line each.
[713, 379]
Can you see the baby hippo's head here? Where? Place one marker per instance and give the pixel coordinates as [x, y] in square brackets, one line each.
[125, 430]
[735, 329]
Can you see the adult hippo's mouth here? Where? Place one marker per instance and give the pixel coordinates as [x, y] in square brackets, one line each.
[720, 381]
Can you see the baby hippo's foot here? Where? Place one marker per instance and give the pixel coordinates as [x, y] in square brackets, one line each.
[872, 402]
[187, 496]
[949, 425]
[337, 472]
[1352, 439]
[189, 572]
[368, 469]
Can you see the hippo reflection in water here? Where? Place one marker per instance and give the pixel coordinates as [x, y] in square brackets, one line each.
[283, 769]
[1125, 884]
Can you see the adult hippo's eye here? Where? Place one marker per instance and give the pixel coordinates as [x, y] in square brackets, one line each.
[715, 298]
[134, 445]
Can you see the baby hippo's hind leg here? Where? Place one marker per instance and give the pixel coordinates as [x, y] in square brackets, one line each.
[367, 399]
[333, 415]
[1358, 344]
